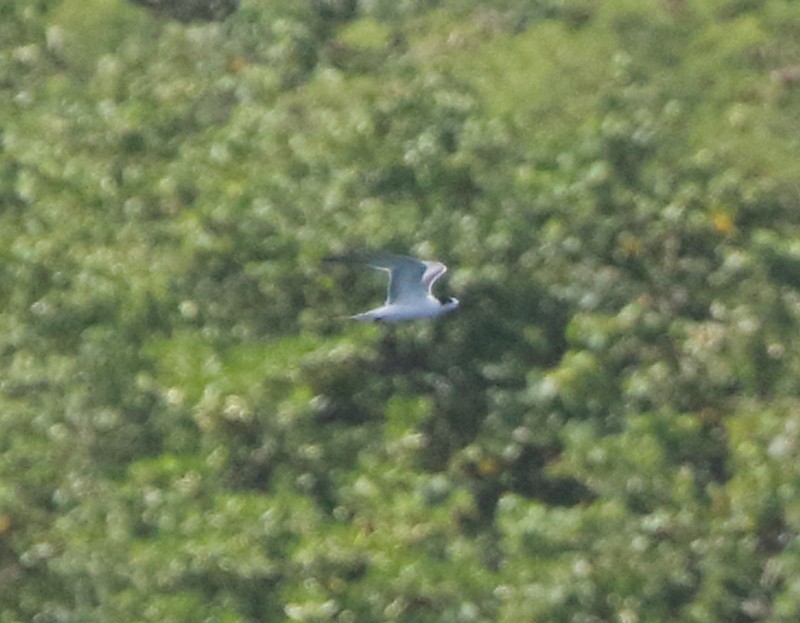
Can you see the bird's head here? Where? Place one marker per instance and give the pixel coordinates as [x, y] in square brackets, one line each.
[449, 304]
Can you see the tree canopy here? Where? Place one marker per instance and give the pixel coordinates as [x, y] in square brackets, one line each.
[607, 430]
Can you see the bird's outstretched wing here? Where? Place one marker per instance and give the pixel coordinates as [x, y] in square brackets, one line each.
[410, 279]
[433, 270]
[405, 277]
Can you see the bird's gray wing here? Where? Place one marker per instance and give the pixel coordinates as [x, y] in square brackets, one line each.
[433, 270]
[406, 274]
[405, 277]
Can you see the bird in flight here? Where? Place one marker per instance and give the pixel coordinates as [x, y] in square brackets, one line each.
[410, 284]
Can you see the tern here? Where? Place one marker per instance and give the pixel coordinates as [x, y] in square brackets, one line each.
[410, 284]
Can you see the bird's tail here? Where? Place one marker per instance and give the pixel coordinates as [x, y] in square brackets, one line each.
[361, 318]
[356, 317]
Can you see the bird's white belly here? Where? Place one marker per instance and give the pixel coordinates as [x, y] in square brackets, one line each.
[399, 313]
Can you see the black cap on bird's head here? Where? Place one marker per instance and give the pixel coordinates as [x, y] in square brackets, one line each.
[449, 303]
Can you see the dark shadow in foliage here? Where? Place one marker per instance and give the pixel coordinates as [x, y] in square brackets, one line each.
[342, 393]
[255, 595]
[461, 405]
[220, 279]
[526, 476]
[250, 468]
[705, 450]
[252, 455]
[773, 532]
[337, 10]
[493, 331]
[191, 10]
[783, 267]
[491, 336]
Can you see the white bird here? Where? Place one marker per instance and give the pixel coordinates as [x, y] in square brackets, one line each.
[410, 284]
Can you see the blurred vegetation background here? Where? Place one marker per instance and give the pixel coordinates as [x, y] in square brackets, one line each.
[607, 431]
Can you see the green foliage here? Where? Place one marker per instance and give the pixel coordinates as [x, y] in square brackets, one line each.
[607, 430]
